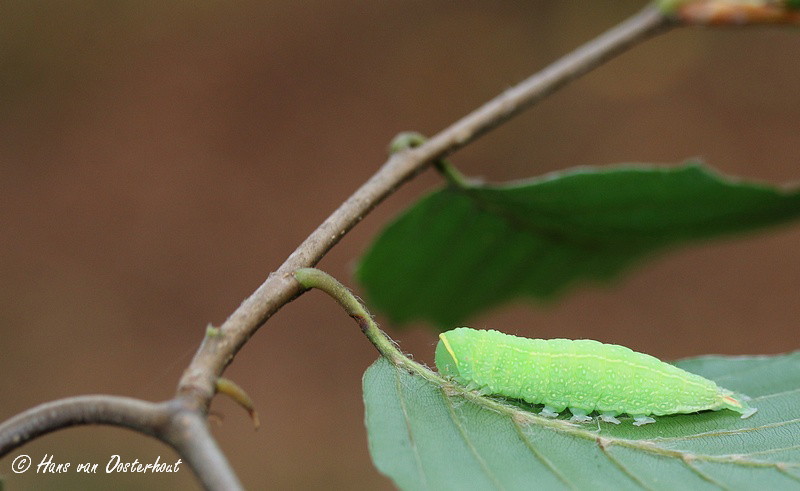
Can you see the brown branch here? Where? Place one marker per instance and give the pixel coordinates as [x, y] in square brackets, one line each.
[145, 417]
[183, 429]
[217, 351]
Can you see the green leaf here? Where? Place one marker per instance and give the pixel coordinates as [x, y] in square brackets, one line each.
[462, 250]
[424, 436]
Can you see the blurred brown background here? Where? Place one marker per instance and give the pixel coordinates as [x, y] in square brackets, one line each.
[159, 159]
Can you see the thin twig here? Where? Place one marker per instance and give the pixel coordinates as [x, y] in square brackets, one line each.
[216, 352]
[315, 278]
[145, 417]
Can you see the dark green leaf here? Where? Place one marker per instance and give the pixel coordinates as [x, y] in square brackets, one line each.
[426, 437]
[460, 251]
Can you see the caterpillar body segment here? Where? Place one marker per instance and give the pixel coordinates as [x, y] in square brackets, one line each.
[581, 375]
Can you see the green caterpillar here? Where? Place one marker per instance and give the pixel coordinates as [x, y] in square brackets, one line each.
[582, 375]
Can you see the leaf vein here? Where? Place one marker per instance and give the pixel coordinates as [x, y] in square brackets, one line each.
[468, 441]
[717, 433]
[618, 464]
[772, 450]
[544, 460]
[689, 464]
[411, 440]
[776, 394]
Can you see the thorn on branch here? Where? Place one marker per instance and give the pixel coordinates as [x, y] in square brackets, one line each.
[232, 390]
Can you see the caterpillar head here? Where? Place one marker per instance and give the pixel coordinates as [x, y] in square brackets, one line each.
[446, 359]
